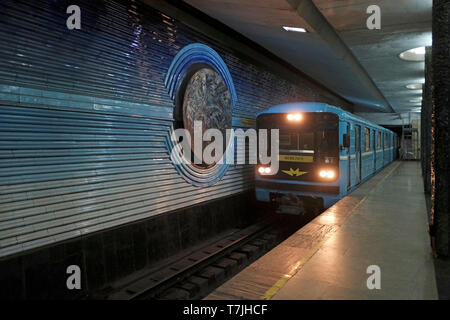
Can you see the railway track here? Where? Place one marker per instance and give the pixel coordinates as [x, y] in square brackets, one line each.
[198, 273]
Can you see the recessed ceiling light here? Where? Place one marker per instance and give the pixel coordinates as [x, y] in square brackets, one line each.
[294, 29]
[419, 50]
[416, 54]
[415, 100]
[415, 86]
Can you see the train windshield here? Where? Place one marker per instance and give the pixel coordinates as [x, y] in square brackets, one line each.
[315, 135]
[294, 141]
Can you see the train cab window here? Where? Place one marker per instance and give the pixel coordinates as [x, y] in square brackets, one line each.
[316, 135]
[285, 140]
[366, 139]
[306, 142]
[301, 142]
[327, 142]
[378, 140]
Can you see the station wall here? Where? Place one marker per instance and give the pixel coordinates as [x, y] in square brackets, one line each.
[84, 122]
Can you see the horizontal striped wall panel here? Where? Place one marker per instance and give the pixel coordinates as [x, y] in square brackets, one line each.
[121, 55]
[85, 116]
[51, 191]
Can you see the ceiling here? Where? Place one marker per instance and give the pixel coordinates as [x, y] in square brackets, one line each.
[370, 74]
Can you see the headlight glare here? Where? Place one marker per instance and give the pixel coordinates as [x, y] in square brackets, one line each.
[329, 174]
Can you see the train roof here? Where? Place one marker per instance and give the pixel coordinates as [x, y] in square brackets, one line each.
[318, 107]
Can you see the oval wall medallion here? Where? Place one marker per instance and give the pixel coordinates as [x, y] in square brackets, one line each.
[200, 84]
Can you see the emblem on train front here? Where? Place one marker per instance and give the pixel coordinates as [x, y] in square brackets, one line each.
[295, 172]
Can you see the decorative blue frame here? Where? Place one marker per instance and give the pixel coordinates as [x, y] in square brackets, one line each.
[189, 55]
[197, 53]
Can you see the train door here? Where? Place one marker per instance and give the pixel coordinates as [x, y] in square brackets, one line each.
[374, 147]
[357, 154]
[349, 175]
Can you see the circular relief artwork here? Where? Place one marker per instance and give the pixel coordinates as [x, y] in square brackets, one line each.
[207, 99]
[201, 87]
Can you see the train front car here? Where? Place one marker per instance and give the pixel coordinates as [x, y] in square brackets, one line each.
[309, 150]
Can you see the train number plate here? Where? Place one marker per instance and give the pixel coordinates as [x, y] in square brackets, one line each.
[292, 158]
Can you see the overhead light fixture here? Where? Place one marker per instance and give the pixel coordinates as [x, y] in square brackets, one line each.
[294, 29]
[419, 50]
[415, 100]
[416, 54]
[415, 86]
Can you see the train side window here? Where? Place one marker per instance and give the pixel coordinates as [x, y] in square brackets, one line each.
[366, 139]
[378, 140]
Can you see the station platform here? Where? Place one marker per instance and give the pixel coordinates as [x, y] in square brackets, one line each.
[383, 223]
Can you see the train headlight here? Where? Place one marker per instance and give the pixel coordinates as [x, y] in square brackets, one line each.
[329, 174]
[264, 170]
[294, 116]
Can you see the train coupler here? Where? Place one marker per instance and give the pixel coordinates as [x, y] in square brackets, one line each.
[289, 204]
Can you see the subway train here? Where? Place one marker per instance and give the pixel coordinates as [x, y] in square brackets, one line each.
[324, 154]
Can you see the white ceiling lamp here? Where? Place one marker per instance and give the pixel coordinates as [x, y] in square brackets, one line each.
[415, 100]
[415, 86]
[416, 54]
[295, 29]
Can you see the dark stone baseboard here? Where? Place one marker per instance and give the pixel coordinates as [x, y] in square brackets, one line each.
[109, 255]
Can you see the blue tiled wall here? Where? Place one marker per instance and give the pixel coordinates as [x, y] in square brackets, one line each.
[84, 115]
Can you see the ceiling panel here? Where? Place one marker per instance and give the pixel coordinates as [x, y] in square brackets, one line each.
[262, 22]
[405, 24]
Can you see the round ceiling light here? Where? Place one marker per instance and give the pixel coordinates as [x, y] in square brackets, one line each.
[416, 54]
[415, 86]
